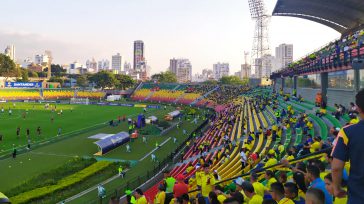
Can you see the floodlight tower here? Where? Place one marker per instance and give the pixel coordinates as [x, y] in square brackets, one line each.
[261, 36]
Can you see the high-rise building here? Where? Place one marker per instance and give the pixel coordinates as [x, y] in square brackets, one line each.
[41, 59]
[207, 74]
[103, 64]
[139, 59]
[267, 65]
[91, 65]
[173, 65]
[245, 71]
[127, 67]
[220, 70]
[182, 68]
[75, 68]
[26, 62]
[284, 56]
[116, 62]
[10, 52]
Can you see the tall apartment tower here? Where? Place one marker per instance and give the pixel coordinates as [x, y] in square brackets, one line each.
[182, 68]
[116, 62]
[284, 55]
[138, 54]
[220, 70]
[10, 52]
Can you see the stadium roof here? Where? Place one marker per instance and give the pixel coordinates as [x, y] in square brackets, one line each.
[337, 14]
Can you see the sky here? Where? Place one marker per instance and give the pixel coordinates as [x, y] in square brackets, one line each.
[204, 31]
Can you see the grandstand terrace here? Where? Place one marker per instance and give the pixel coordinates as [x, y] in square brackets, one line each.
[285, 143]
[48, 94]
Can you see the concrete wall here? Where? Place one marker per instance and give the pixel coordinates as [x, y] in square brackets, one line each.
[340, 96]
[309, 94]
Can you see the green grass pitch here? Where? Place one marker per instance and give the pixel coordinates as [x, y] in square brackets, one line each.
[73, 118]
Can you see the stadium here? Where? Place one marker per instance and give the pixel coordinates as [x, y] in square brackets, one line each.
[295, 140]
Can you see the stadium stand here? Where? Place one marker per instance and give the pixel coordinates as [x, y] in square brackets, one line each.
[15, 94]
[37, 94]
[272, 132]
[58, 94]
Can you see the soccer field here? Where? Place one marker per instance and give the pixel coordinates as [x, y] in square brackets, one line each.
[51, 151]
[73, 117]
[54, 154]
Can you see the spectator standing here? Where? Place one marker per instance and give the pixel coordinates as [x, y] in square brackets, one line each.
[330, 189]
[207, 182]
[169, 182]
[180, 187]
[161, 195]
[349, 147]
[313, 176]
[258, 187]
[277, 193]
[140, 198]
[250, 192]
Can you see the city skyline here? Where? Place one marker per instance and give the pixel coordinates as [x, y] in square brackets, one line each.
[158, 26]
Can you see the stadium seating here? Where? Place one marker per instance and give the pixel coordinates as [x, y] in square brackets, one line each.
[58, 94]
[15, 94]
[141, 94]
[90, 94]
[188, 98]
[165, 96]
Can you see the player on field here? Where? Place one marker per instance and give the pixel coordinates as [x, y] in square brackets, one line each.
[18, 131]
[59, 131]
[39, 131]
[128, 149]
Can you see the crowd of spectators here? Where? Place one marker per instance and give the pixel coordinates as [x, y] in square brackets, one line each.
[226, 93]
[336, 53]
[327, 173]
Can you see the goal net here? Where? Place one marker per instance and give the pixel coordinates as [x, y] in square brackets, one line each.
[79, 101]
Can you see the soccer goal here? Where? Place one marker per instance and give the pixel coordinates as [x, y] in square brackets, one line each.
[85, 101]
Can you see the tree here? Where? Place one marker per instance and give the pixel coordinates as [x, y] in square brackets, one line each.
[32, 73]
[42, 74]
[210, 82]
[165, 77]
[24, 75]
[82, 81]
[8, 67]
[232, 80]
[104, 79]
[124, 81]
[56, 70]
[56, 79]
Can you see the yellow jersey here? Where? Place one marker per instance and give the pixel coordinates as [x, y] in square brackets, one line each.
[270, 181]
[270, 162]
[315, 146]
[256, 199]
[160, 197]
[207, 183]
[259, 188]
[141, 200]
[286, 201]
[221, 198]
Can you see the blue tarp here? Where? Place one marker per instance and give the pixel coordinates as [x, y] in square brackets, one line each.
[112, 142]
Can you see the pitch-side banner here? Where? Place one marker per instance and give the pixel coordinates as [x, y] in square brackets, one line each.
[23, 84]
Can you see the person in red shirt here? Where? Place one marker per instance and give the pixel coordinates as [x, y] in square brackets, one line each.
[180, 187]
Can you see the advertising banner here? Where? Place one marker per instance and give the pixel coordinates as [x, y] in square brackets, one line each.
[23, 84]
